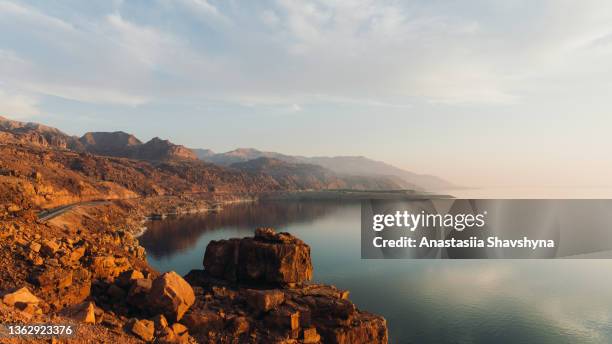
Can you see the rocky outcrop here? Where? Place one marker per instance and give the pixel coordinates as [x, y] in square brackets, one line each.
[268, 258]
[268, 299]
[171, 296]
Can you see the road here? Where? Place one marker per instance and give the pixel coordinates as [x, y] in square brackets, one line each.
[49, 214]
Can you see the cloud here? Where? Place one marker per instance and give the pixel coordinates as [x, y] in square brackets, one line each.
[204, 10]
[381, 53]
[270, 18]
[18, 106]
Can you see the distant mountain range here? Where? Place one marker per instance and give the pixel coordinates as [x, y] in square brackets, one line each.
[342, 165]
[311, 176]
[291, 172]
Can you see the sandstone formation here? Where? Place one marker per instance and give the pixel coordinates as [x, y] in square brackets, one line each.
[269, 299]
[268, 258]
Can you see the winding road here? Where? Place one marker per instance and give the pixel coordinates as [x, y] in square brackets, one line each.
[49, 214]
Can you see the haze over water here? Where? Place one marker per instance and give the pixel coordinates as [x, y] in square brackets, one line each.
[481, 301]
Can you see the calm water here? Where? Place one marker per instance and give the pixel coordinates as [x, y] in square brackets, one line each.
[544, 301]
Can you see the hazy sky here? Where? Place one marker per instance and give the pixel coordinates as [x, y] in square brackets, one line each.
[483, 93]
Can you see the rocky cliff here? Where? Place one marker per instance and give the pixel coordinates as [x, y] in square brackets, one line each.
[252, 290]
[256, 290]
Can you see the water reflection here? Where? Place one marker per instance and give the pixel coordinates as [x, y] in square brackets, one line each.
[453, 301]
[175, 234]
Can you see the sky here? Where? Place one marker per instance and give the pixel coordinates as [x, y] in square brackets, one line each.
[481, 93]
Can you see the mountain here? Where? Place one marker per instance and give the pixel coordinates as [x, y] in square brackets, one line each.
[309, 176]
[351, 172]
[360, 165]
[202, 154]
[356, 166]
[117, 144]
[158, 149]
[293, 176]
[126, 145]
[246, 154]
[36, 134]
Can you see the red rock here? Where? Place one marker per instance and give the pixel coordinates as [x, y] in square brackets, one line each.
[52, 278]
[171, 295]
[34, 246]
[108, 267]
[167, 336]
[84, 312]
[144, 329]
[140, 286]
[126, 278]
[203, 321]
[179, 329]
[28, 308]
[264, 300]
[238, 326]
[76, 254]
[49, 247]
[221, 258]
[310, 336]
[366, 328]
[160, 321]
[284, 318]
[20, 296]
[267, 258]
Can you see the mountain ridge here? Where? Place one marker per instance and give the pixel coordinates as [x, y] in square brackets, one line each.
[337, 171]
[342, 164]
[117, 143]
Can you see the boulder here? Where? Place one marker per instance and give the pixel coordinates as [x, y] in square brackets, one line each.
[269, 257]
[264, 300]
[49, 247]
[179, 329]
[141, 286]
[203, 321]
[20, 296]
[76, 254]
[108, 267]
[166, 336]
[310, 336]
[365, 328]
[52, 278]
[34, 246]
[126, 278]
[143, 329]
[160, 322]
[284, 318]
[170, 295]
[84, 312]
[221, 258]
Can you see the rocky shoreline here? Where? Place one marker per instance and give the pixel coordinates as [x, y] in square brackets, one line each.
[56, 272]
